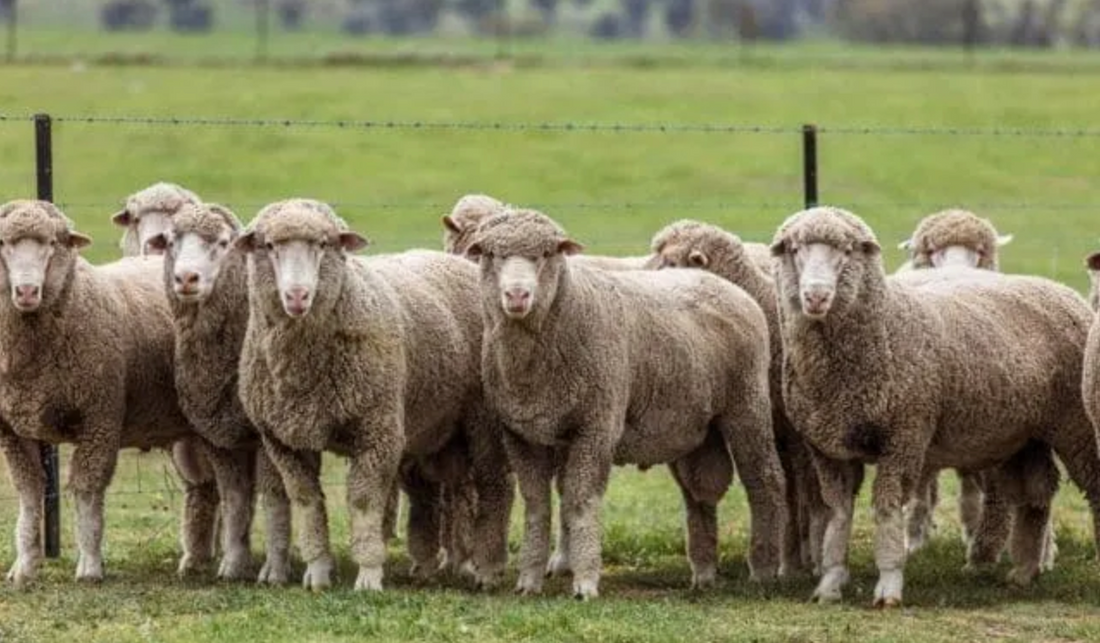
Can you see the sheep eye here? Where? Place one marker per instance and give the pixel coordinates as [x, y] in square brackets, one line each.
[848, 251]
[222, 243]
[270, 246]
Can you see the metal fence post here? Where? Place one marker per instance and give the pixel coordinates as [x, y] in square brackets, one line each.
[13, 23]
[43, 154]
[809, 165]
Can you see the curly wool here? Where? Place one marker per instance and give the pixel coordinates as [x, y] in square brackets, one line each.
[954, 227]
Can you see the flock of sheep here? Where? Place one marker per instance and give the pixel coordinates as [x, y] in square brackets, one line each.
[513, 357]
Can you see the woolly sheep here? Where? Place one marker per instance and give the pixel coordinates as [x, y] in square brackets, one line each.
[148, 212]
[590, 368]
[206, 285]
[375, 358]
[109, 389]
[957, 237]
[898, 372]
[693, 244]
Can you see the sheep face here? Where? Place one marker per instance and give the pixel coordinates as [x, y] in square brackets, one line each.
[36, 251]
[691, 244]
[299, 245]
[147, 225]
[459, 226]
[197, 245]
[149, 213]
[821, 255]
[522, 257]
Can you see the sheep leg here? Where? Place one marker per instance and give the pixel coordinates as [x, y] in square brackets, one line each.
[29, 479]
[704, 476]
[796, 554]
[919, 518]
[559, 560]
[90, 471]
[585, 474]
[758, 466]
[1029, 528]
[200, 507]
[460, 504]
[887, 498]
[276, 567]
[389, 523]
[534, 468]
[817, 511]
[423, 529]
[991, 535]
[301, 474]
[236, 477]
[970, 505]
[493, 491]
[370, 478]
[839, 483]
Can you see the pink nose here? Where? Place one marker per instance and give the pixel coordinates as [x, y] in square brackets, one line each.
[816, 300]
[187, 280]
[517, 298]
[297, 299]
[27, 295]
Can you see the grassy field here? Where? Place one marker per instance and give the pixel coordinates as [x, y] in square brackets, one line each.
[612, 190]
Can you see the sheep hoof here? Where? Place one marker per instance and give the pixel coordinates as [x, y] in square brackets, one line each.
[190, 565]
[89, 569]
[23, 572]
[529, 584]
[585, 589]
[558, 565]
[274, 572]
[888, 589]
[485, 577]
[369, 579]
[235, 567]
[828, 589]
[318, 574]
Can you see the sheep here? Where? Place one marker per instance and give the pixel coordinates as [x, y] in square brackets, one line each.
[376, 358]
[86, 359]
[899, 372]
[470, 210]
[948, 238]
[590, 368]
[205, 283]
[148, 212]
[1092, 263]
[693, 244]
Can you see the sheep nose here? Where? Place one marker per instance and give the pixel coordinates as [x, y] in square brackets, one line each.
[517, 296]
[296, 300]
[816, 301]
[187, 278]
[27, 292]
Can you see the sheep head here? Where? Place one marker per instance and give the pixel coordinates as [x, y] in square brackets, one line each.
[822, 255]
[297, 251]
[693, 244]
[522, 257]
[955, 238]
[38, 249]
[459, 226]
[197, 244]
[148, 213]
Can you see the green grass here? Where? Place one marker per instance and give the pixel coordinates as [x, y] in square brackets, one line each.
[612, 191]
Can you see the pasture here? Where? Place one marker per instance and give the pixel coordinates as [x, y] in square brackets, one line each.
[890, 158]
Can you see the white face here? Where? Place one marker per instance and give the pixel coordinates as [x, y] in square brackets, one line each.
[297, 265]
[518, 283]
[26, 261]
[198, 261]
[818, 266]
[150, 225]
[955, 256]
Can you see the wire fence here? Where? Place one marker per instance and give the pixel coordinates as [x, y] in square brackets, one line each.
[805, 167]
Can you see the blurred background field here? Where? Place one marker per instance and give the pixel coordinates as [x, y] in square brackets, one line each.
[614, 138]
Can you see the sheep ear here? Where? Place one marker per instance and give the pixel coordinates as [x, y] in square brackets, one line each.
[570, 247]
[122, 218]
[246, 242]
[1093, 261]
[78, 240]
[1004, 239]
[352, 241]
[450, 224]
[778, 247]
[698, 259]
[158, 242]
[474, 251]
[870, 248]
[906, 245]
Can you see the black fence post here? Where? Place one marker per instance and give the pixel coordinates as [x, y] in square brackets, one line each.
[263, 27]
[809, 165]
[43, 155]
[12, 49]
